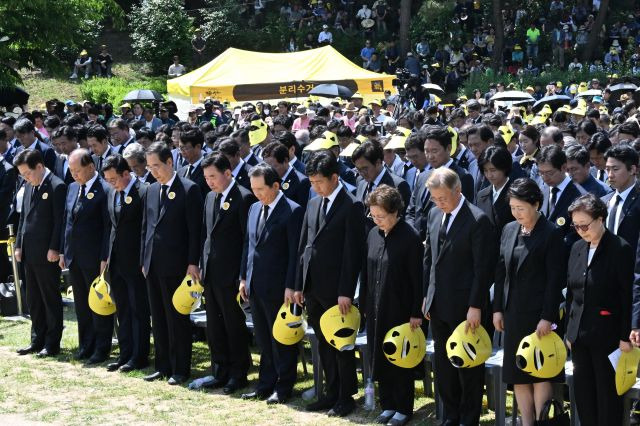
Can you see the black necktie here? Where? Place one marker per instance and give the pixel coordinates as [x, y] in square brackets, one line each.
[216, 206]
[119, 205]
[79, 200]
[189, 171]
[100, 163]
[601, 175]
[263, 219]
[367, 192]
[612, 216]
[552, 200]
[325, 207]
[34, 194]
[163, 195]
[442, 235]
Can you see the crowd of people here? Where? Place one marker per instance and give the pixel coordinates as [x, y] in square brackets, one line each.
[475, 213]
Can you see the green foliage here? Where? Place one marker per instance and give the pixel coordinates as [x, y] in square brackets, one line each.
[159, 30]
[46, 34]
[433, 20]
[112, 90]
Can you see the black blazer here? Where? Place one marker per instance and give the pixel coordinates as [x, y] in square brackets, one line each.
[599, 295]
[346, 174]
[41, 220]
[629, 222]
[252, 160]
[296, 188]
[48, 154]
[539, 276]
[499, 212]
[59, 170]
[8, 177]
[86, 234]
[242, 176]
[269, 258]
[197, 177]
[468, 254]
[393, 181]
[223, 234]
[299, 166]
[331, 253]
[171, 234]
[560, 213]
[124, 238]
[96, 158]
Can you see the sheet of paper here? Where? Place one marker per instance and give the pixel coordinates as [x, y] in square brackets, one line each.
[614, 357]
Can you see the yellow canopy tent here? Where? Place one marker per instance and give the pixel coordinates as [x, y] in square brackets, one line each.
[240, 75]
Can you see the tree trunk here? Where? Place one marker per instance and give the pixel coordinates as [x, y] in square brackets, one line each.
[592, 46]
[405, 21]
[499, 40]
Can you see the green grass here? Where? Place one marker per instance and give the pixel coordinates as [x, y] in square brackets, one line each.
[62, 390]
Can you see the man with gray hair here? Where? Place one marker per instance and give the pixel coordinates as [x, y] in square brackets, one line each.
[459, 243]
[135, 155]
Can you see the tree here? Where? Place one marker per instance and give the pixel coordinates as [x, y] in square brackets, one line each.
[405, 19]
[159, 30]
[47, 34]
[499, 39]
[594, 35]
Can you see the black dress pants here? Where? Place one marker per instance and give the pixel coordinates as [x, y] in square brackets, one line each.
[45, 304]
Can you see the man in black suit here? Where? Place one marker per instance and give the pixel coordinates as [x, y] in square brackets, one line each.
[289, 140]
[295, 185]
[369, 160]
[98, 141]
[84, 245]
[136, 157]
[224, 227]
[191, 142]
[37, 248]
[8, 179]
[241, 137]
[239, 169]
[558, 190]
[125, 202]
[120, 135]
[267, 277]
[26, 133]
[65, 140]
[331, 251]
[7, 150]
[456, 230]
[170, 249]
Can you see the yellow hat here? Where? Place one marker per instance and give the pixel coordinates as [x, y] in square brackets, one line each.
[564, 108]
[404, 347]
[541, 357]
[582, 87]
[356, 95]
[396, 142]
[100, 300]
[538, 119]
[348, 150]
[403, 131]
[289, 327]
[454, 139]
[125, 105]
[361, 138]
[626, 370]
[470, 349]
[187, 296]
[340, 330]
[547, 108]
[530, 89]
[328, 140]
[573, 89]
[257, 132]
[579, 111]
[84, 52]
[506, 132]
[558, 84]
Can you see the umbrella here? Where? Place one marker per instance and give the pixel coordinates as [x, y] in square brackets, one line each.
[589, 93]
[331, 91]
[10, 96]
[143, 95]
[622, 87]
[434, 89]
[512, 95]
[554, 101]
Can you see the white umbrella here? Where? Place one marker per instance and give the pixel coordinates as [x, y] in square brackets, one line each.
[590, 92]
[433, 88]
[512, 95]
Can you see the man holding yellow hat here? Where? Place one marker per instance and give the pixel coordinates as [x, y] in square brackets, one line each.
[82, 63]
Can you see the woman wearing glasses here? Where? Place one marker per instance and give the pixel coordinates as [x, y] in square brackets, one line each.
[599, 283]
[530, 274]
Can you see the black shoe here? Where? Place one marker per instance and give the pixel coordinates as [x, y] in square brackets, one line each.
[214, 384]
[321, 404]
[96, 359]
[114, 366]
[47, 352]
[342, 408]
[125, 368]
[234, 385]
[396, 422]
[382, 419]
[155, 376]
[177, 379]
[29, 349]
[276, 398]
[255, 395]
[82, 354]
[634, 416]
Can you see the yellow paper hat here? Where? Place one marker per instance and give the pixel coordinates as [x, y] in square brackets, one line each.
[348, 150]
[259, 132]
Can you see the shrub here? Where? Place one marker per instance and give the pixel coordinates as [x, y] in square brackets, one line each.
[112, 90]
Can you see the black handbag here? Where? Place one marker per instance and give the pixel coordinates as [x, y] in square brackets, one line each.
[557, 417]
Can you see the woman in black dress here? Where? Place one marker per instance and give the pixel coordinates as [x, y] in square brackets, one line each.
[495, 163]
[530, 276]
[391, 295]
[599, 299]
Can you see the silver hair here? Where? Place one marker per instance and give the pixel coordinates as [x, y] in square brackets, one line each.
[444, 177]
[136, 152]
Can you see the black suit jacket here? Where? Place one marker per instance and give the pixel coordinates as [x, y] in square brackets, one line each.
[8, 177]
[296, 188]
[171, 234]
[59, 170]
[629, 222]
[242, 177]
[197, 177]
[86, 234]
[331, 252]
[539, 276]
[48, 154]
[223, 236]
[252, 160]
[560, 214]
[468, 254]
[269, 258]
[41, 220]
[599, 294]
[393, 181]
[96, 158]
[124, 238]
[499, 212]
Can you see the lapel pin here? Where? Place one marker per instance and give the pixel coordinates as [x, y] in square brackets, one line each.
[90, 195]
[171, 195]
[45, 195]
[561, 221]
[285, 186]
[225, 206]
[128, 199]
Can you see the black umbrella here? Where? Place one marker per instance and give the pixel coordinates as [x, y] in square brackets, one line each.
[622, 87]
[143, 95]
[10, 96]
[554, 101]
[331, 91]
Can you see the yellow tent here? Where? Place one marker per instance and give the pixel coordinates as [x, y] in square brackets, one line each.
[240, 75]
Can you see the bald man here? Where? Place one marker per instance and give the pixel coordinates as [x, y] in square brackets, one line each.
[85, 249]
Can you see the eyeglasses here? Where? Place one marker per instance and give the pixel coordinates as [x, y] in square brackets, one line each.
[583, 228]
[547, 173]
